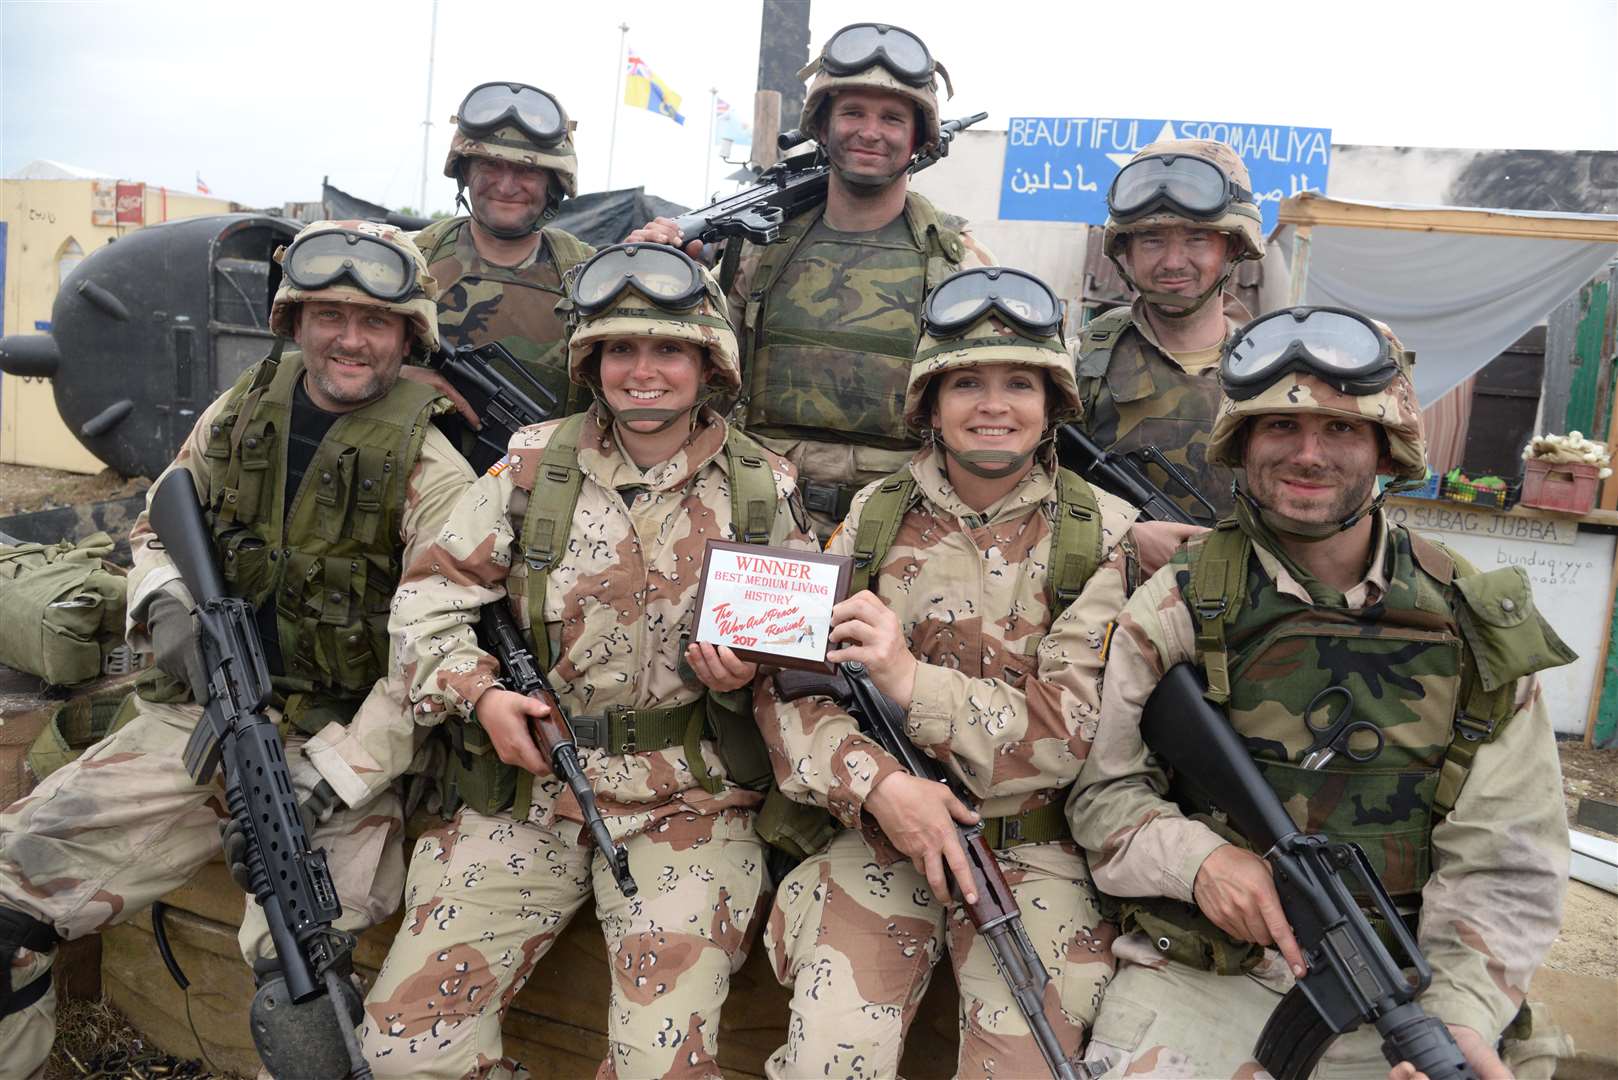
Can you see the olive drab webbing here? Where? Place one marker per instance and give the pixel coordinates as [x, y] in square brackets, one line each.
[844, 383]
[489, 785]
[1096, 340]
[330, 560]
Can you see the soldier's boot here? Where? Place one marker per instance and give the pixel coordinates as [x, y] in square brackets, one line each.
[27, 996]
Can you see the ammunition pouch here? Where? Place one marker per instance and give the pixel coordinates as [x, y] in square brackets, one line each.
[833, 500]
[61, 608]
[797, 829]
[77, 725]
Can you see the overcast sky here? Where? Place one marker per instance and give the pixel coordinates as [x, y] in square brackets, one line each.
[263, 99]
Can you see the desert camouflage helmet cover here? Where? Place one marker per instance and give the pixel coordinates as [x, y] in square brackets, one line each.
[632, 315]
[875, 77]
[1394, 407]
[510, 143]
[990, 340]
[1240, 220]
[420, 309]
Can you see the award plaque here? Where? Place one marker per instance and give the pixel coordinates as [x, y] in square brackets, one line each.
[772, 605]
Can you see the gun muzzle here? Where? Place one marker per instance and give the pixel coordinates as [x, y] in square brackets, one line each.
[787, 140]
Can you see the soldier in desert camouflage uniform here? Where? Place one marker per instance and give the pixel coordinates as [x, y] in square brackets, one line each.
[1310, 598]
[320, 474]
[499, 267]
[985, 619]
[828, 316]
[655, 474]
[1146, 372]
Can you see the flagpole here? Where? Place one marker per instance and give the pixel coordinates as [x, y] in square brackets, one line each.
[707, 158]
[427, 115]
[617, 93]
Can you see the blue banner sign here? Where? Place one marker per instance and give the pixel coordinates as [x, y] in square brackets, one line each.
[1058, 168]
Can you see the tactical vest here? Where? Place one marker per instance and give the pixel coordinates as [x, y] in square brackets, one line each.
[1134, 397]
[488, 785]
[832, 325]
[331, 562]
[479, 302]
[1075, 553]
[1433, 665]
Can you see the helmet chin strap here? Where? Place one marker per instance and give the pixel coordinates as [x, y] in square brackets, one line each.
[668, 417]
[989, 464]
[1250, 511]
[499, 233]
[1174, 306]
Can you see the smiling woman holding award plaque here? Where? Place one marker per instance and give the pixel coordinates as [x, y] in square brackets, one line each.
[984, 582]
[591, 533]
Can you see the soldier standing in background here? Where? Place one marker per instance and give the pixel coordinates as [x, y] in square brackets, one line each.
[1180, 216]
[1307, 609]
[829, 316]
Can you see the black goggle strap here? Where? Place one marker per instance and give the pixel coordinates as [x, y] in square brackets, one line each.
[939, 70]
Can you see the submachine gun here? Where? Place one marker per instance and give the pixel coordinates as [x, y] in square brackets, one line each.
[1352, 979]
[303, 1023]
[553, 732]
[786, 189]
[1124, 476]
[501, 404]
[996, 916]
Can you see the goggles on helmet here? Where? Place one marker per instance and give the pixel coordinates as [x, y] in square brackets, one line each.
[857, 47]
[382, 268]
[496, 104]
[965, 297]
[1185, 185]
[1342, 347]
[666, 276]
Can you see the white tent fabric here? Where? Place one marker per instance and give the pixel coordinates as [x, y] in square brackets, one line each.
[46, 169]
[1457, 300]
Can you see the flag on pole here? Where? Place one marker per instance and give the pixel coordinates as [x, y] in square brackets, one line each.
[646, 91]
[729, 126]
[202, 186]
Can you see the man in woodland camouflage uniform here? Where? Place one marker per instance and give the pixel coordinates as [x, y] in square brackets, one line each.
[320, 474]
[1307, 601]
[829, 316]
[1146, 372]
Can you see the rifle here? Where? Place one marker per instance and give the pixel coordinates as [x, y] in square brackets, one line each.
[290, 881]
[996, 916]
[553, 732]
[786, 189]
[1124, 476]
[499, 403]
[1352, 978]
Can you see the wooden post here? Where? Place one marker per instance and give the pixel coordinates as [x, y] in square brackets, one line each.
[1300, 264]
[1602, 664]
[766, 126]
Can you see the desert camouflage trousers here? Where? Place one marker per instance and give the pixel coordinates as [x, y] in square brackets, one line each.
[124, 824]
[855, 933]
[487, 897]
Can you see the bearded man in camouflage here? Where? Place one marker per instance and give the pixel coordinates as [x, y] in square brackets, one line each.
[1307, 601]
[987, 580]
[499, 267]
[321, 474]
[829, 316]
[1180, 216]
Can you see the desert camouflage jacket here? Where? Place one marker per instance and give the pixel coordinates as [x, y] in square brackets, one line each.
[380, 742]
[618, 608]
[1492, 906]
[1006, 698]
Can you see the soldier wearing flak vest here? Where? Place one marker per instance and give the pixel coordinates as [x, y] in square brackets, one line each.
[321, 474]
[829, 316]
[986, 579]
[1308, 609]
[593, 530]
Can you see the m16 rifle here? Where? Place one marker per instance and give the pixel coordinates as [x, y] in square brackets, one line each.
[995, 915]
[553, 732]
[1124, 476]
[303, 1023]
[501, 405]
[786, 189]
[1352, 979]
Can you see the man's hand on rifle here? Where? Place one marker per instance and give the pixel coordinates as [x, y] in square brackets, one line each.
[1236, 889]
[506, 717]
[663, 231]
[865, 629]
[719, 667]
[919, 818]
[1477, 1051]
[436, 380]
[174, 644]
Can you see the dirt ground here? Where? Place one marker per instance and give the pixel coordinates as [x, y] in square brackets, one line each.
[1588, 773]
[24, 488]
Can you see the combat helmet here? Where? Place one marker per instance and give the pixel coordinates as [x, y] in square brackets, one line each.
[509, 141]
[877, 56]
[346, 270]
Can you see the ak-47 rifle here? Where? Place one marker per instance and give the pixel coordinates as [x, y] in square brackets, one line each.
[500, 404]
[995, 915]
[313, 1033]
[1352, 979]
[553, 732]
[786, 189]
[1123, 476]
